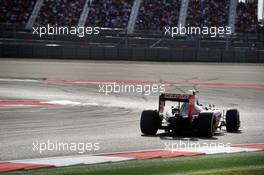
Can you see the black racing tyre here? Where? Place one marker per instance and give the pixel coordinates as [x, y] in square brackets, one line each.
[206, 124]
[232, 120]
[150, 122]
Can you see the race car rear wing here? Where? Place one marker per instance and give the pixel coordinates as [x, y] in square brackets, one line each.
[173, 97]
[190, 99]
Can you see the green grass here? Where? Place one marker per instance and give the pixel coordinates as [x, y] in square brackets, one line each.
[225, 164]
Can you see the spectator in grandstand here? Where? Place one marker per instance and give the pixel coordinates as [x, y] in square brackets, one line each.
[109, 13]
[60, 12]
[15, 11]
[155, 15]
[215, 12]
[194, 13]
[208, 13]
[247, 16]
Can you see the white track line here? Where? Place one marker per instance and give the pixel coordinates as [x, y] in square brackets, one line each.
[70, 103]
[43, 103]
[99, 158]
[72, 160]
[18, 80]
[217, 150]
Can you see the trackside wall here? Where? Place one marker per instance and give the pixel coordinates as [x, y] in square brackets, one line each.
[17, 50]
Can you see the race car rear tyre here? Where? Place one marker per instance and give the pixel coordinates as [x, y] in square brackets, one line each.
[150, 122]
[206, 124]
[232, 120]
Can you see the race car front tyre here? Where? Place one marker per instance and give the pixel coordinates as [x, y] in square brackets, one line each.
[232, 120]
[206, 124]
[150, 122]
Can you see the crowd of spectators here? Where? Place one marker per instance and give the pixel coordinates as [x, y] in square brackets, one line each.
[109, 13]
[60, 12]
[247, 16]
[15, 11]
[208, 13]
[154, 15]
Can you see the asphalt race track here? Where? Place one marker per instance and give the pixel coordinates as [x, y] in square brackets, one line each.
[85, 115]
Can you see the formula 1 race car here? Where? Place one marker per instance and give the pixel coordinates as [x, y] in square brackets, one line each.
[188, 115]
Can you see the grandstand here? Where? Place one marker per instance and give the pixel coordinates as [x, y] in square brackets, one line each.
[63, 13]
[134, 23]
[152, 15]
